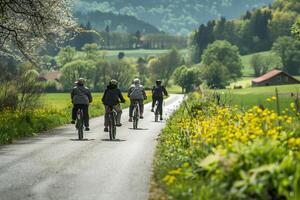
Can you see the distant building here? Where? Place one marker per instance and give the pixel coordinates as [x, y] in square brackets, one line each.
[51, 76]
[274, 77]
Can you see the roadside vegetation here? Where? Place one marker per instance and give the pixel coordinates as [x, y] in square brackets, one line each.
[51, 111]
[211, 151]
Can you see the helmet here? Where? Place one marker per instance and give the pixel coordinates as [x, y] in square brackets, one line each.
[136, 81]
[80, 81]
[113, 82]
[158, 82]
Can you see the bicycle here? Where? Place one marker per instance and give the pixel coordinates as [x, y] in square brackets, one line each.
[79, 123]
[112, 123]
[136, 114]
[156, 111]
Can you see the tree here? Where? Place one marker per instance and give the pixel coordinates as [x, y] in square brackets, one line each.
[216, 74]
[102, 73]
[66, 55]
[30, 89]
[25, 26]
[76, 69]
[91, 51]
[227, 55]
[288, 49]
[142, 70]
[187, 78]
[123, 72]
[262, 63]
[296, 29]
[164, 66]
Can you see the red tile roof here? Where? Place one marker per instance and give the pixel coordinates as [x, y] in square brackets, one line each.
[267, 76]
[53, 75]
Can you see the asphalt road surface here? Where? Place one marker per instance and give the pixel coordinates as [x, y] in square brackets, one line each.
[55, 165]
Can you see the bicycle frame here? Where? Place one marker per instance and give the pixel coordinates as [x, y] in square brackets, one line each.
[156, 111]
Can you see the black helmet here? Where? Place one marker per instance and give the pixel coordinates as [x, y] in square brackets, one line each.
[158, 82]
[113, 82]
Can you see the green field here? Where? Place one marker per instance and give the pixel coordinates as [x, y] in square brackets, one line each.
[250, 97]
[144, 53]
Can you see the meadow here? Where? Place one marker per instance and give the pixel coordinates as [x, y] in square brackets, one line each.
[135, 54]
[252, 96]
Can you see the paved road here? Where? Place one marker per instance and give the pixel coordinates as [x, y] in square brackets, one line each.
[57, 166]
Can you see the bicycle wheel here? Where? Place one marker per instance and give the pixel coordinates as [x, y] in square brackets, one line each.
[79, 124]
[135, 117]
[114, 128]
[156, 115]
[111, 127]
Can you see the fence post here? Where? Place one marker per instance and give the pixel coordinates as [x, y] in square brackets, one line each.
[277, 101]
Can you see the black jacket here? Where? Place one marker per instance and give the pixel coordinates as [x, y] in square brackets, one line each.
[112, 96]
[159, 92]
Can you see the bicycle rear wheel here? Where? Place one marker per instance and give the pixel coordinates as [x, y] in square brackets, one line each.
[114, 128]
[135, 118]
[156, 116]
[111, 127]
[79, 124]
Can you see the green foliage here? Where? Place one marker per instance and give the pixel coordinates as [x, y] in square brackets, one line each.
[30, 89]
[76, 69]
[296, 29]
[288, 49]
[163, 67]
[262, 63]
[179, 17]
[221, 63]
[198, 157]
[187, 78]
[65, 55]
[91, 51]
[256, 31]
[123, 72]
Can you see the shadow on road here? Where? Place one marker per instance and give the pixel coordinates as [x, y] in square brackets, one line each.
[116, 140]
[84, 140]
[139, 129]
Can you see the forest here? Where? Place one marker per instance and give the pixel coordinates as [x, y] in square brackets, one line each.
[176, 17]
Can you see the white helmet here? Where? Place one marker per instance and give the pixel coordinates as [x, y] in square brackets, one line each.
[136, 81]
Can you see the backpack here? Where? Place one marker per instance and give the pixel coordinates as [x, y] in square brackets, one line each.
[137, 92]
[158, 91]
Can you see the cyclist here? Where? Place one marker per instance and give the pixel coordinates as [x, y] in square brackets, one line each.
[158, 92]
[81, 98]
[112, 98]
[136, 93]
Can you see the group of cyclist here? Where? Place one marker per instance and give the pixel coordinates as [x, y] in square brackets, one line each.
[81, 98]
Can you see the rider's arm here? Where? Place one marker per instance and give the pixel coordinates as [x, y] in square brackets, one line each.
[165, 91]
[90, 96]
[104, 96]
[121, 97]
[144, 94]
[72, 95]
[129, 91]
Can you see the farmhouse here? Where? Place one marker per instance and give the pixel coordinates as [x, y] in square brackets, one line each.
[51, 76]
[274, 77]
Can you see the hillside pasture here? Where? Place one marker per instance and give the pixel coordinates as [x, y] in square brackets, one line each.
[255, 96]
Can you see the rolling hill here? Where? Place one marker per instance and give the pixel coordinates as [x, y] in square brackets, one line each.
[173, 16]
